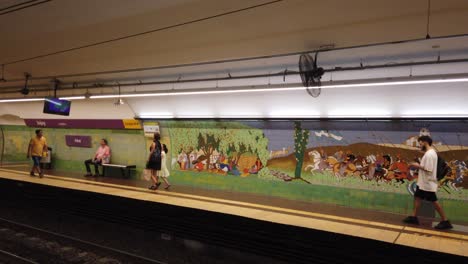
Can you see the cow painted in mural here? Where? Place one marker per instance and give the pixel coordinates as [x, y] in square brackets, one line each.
[280, 153]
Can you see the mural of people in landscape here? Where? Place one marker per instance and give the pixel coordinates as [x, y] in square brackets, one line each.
[357, 164]
[305, 158]
[337, 154]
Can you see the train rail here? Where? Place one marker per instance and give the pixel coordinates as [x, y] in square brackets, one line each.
[21, 243]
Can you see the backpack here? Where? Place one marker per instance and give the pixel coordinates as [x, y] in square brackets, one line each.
[443, 169]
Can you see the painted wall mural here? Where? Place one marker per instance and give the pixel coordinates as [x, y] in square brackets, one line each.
[355, 164]
[372, 156]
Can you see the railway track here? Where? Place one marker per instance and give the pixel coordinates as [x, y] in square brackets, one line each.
[20, 243]
[9, 257]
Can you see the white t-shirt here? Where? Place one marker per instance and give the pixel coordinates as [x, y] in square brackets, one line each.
[427, 179]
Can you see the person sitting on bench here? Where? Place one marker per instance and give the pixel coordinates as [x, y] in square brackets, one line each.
[102, 156]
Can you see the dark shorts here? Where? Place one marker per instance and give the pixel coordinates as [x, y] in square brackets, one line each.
[425, 195]
[154, 165]
[36, 160]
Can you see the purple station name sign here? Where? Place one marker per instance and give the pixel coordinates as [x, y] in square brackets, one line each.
[76, 123]
[78, 141]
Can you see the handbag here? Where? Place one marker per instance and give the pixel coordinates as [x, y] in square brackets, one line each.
[147, 174]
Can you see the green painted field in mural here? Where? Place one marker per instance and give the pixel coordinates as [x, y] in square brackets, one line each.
[394, 202]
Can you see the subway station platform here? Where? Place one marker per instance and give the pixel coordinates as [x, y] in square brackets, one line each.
[428, 242]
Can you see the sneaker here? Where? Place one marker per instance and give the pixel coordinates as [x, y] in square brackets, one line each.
[41, 175]
[411, 220]
[32, 174]
[152, 187]
[157, 185]
[88, 175]
[444, 225]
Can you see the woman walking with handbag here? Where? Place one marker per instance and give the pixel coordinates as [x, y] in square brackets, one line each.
[154, 161]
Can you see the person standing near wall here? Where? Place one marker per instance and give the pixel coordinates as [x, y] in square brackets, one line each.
[154, 161]
[164, 173]
[427, 184]
[102, 156]
[37, 147]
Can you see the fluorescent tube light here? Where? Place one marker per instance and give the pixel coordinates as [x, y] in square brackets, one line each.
[21, 100]
[18, 100]
[157, 116]
[452, 78]
[410, 82]
[339, 84]
[436, 116]
[73, 97]
[185, 92]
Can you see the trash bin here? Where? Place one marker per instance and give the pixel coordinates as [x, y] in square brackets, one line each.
[46, 161]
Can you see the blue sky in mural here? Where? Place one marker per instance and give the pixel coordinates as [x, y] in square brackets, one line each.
[282, 138]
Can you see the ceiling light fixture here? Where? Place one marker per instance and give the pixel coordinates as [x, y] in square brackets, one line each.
[457, 78]
[19, 100]
[185, 92]
[451, 78]
[73, 97]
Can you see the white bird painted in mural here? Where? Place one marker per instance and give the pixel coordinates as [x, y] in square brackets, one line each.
[328, 134]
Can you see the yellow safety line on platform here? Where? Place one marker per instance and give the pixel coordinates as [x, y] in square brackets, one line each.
[397, 234]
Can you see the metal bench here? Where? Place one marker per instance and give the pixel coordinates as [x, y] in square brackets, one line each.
[124, 169]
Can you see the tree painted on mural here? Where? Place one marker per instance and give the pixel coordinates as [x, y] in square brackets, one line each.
[261, 148]
[301, 138]
[183, 139]
[241, 141]
[209, 141]
[235, 142]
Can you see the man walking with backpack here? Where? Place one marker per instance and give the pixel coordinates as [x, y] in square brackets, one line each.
[427, 184]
